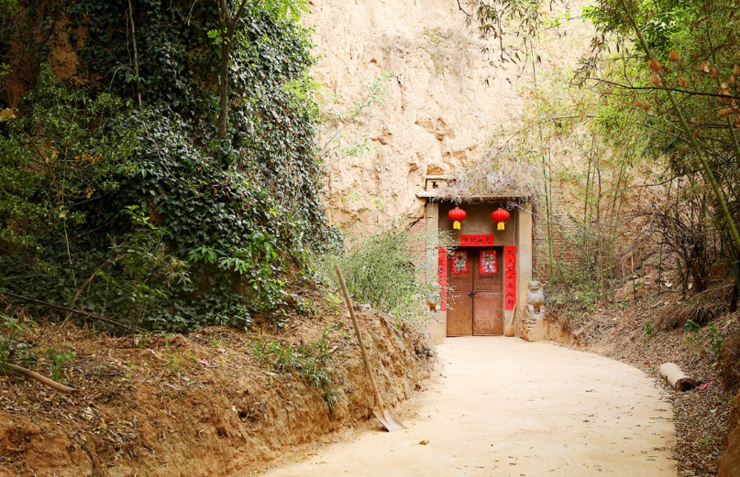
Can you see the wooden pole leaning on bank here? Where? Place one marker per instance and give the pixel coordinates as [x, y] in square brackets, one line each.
[388, 420]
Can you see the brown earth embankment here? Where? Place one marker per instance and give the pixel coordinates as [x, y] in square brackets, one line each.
[210, 403]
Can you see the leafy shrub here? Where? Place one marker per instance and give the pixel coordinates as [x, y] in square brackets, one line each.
[11, 331]
[381, 269]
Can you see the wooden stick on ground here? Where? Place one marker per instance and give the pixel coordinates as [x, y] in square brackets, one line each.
[41, 378]
[365, 358]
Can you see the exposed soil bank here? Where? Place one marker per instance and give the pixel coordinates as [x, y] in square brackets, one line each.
[212, 403]
[502, 406]
[729, 462]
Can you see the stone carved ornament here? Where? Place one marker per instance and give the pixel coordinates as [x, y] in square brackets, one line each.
[534, 326]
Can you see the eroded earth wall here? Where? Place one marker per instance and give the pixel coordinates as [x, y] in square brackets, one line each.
[443, 101]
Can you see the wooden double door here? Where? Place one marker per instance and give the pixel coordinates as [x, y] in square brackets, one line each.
[475, 292]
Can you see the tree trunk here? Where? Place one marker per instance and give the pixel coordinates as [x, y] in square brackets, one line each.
[224, 89]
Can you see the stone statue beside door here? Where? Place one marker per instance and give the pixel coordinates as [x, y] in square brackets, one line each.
[534, 326]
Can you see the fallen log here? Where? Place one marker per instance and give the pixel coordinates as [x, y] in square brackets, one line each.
[41, 378]
[676, 378]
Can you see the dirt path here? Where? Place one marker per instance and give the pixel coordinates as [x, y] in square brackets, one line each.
[505, 407]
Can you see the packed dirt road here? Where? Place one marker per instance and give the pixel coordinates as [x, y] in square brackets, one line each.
[505, 407]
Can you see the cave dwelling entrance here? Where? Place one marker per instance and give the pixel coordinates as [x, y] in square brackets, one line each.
[484, 270]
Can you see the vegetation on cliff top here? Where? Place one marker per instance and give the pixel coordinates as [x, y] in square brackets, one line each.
[119, 194]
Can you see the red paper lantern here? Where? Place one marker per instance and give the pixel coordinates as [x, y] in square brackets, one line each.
[457, 215]
[500, 216]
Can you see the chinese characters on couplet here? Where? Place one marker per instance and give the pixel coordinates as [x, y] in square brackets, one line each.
[509, 277]
[442, 277]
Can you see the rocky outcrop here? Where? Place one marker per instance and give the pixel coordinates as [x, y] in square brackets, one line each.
[729, 463]
[443, 101]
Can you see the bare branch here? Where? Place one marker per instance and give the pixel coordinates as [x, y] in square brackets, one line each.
[463, 10]
[662, 88]
[95, 316]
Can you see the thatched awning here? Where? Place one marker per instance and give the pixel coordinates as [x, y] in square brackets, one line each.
[437, 189]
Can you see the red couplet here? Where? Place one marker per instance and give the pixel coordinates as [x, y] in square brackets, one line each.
[509, 277]
[442, 277]
[476, 240]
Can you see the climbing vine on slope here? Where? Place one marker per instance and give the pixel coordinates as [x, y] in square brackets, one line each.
[137, 209]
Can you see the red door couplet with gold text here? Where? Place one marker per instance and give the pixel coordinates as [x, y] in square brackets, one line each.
[475, 297]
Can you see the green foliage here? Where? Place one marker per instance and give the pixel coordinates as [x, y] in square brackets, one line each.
[65, 150]
[334, 145]
[691, 326]
[287, 9]
[143, 213]
[677, 62]
[8, 7]
[11, 332]
[649, 328]
[58, 361]
[505, 20]
[569, 147]
[310, 362]
[576, 300]
[710, 340]
[174, 361]
[380, 269]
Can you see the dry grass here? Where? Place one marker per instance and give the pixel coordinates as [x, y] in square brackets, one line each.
[500, 173]
[680, 314]
[700, 309]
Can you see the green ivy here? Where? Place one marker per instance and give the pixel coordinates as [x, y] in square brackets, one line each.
[141, 212]
[8, 7]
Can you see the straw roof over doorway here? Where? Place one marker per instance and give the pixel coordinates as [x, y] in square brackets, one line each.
[497, 176]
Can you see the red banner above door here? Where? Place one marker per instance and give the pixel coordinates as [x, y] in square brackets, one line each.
[476, 240]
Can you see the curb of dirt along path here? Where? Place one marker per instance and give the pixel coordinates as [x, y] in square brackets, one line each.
[215, 402]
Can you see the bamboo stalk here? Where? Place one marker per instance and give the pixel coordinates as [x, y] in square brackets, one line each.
[136, 53]
[546, 178]
[709, 175]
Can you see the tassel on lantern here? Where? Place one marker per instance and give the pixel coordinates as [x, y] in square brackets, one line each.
[501, 226]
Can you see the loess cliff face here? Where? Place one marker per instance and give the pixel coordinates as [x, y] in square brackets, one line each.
[442, 102]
